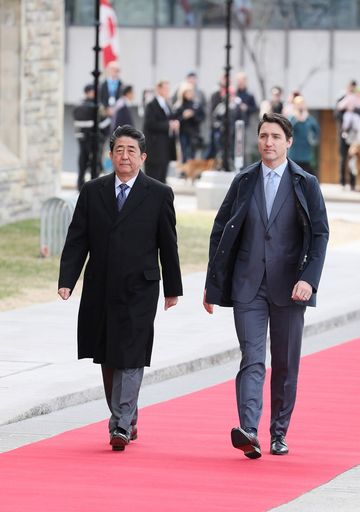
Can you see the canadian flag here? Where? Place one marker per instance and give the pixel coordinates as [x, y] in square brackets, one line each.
[108, 38]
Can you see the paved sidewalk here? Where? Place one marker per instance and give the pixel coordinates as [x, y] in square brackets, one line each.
[40, 373]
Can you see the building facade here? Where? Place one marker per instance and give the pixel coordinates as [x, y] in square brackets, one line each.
[31, 104]
[299, 45]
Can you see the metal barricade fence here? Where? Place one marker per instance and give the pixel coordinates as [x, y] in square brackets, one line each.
[55, 216]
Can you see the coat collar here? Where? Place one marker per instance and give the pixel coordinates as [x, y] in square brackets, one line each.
[136, 195]
[294, 168]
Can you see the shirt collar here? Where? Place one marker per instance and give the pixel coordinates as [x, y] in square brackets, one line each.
[278, 170]
[162, 102]
[129, 183]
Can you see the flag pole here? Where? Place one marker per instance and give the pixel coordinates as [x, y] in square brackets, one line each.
[96, 74]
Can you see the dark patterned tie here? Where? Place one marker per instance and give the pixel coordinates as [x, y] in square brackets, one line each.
[121, 197]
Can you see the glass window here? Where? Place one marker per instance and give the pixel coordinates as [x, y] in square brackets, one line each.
[135, 12]
[128, 13]
[299, 14]
[178, 13]
[256, 14]
[80, 12]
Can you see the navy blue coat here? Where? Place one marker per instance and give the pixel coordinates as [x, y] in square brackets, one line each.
[229, 220]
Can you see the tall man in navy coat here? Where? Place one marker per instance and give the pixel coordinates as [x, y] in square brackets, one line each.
[266, 261]
[124, 222]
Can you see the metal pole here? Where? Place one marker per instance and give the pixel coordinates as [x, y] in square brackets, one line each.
[226, 126]
[96, 74]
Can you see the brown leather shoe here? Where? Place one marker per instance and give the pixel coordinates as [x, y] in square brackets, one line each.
[278, 446]
[247, 442]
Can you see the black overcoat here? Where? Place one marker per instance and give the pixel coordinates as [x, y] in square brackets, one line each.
[226, 232]
[160, 143]
[121, 278]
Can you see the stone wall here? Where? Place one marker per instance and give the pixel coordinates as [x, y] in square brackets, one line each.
[30, 158]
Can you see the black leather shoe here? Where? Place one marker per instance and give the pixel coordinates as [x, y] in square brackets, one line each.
[247, 442]
[278, 446]
[119, 438]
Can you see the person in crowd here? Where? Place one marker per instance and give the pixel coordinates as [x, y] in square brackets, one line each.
[267, 250]
[84, 119]
[347, 108]
[306, 135]
[190, 114]
[248, 103]
[111, 87]
[275, 104]
[122, 110]
[288, 107]
[121, 279]
[218, 123]
[214, 136]
[191, 79]
[160, 130]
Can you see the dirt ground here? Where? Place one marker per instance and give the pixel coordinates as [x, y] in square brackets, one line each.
[341, 233]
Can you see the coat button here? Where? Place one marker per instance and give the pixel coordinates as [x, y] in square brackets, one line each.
[267, 237]
[222, 252]
[232, 226]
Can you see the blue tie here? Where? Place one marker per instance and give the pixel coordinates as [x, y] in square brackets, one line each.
[270, 192]
[121, 197]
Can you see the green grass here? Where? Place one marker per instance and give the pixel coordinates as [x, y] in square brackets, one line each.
[23, 270]
[21, 266]
[193, 239]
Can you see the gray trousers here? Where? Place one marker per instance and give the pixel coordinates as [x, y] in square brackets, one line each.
[286, 329]
[122, 391]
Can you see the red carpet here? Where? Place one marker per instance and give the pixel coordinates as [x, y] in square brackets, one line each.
[183, 459]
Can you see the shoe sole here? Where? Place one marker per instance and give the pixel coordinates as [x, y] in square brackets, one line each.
[241, 442]
[272, 452]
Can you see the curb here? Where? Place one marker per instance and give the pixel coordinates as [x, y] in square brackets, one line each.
[173, 371]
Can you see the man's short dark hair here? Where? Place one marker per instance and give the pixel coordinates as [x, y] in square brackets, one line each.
[279, 119]
[127, 89]
[88, 88]
[128, 131]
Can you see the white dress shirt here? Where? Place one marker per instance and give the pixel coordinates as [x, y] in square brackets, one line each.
[278, 173]
[129, 183]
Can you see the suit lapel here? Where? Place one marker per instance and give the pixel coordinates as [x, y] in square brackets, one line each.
[160, 109]
[281, 196]
[107, 192]
[137, 194]
[260, 197]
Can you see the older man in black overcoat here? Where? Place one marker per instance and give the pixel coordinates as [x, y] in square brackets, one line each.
[123, 223]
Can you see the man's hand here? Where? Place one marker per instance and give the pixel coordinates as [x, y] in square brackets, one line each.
[170, 302]
[174, 125]
[302, 291]
[208, 307]
[64, 293]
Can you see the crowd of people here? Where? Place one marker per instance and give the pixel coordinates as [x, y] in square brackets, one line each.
[348, 117]
[184, 125]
